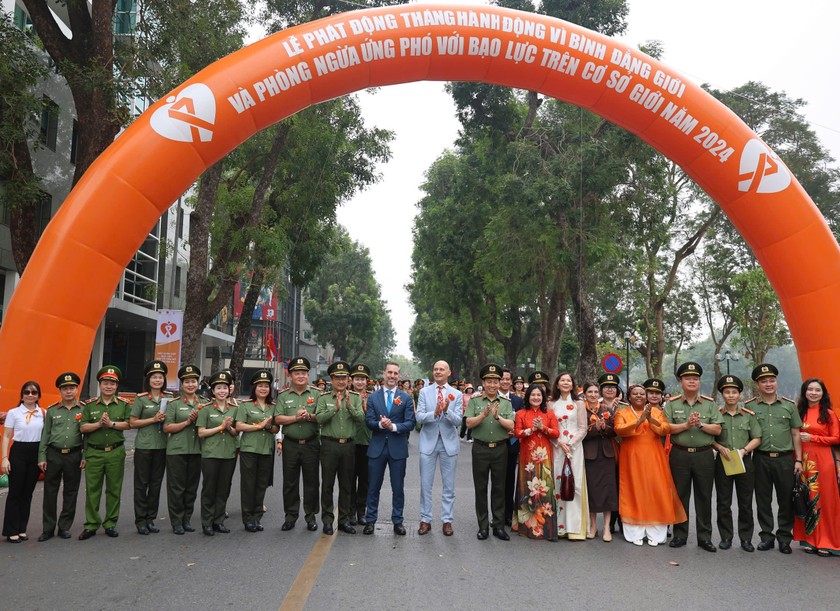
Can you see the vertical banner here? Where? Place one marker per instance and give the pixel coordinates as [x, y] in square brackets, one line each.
[168, 343]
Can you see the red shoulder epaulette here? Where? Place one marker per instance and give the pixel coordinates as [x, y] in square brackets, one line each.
[676, 398]
[706, 397]
[58, 404]
[749, 411]
[750, 400]
[143, 394]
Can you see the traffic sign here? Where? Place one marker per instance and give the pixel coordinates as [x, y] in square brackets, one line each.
[612, 363]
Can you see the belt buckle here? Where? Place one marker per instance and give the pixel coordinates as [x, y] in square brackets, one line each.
[492, 444]
[301, 442]
[691, 450]
[342, 440]
[774, 454]
[107, 448]
[65, 450]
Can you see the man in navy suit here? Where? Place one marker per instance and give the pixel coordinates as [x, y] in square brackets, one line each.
[513, 448]
[390, 417]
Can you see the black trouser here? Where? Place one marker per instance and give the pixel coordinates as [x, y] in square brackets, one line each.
[337, 461]
[358, 494]
[217, 474]
[489, 466]
[510, 481]
[300, 458]
[23, 459]
[697, 468]
[149, 466]
[254, 475]
[65, 467]
[744, 485]
[770, 474]
[183, 471]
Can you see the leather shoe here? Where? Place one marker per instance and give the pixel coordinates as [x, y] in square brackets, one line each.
[425, 527]
[45, 537]
[785, 548]
[347, 528]
[288, 526]
[311, 526]
[399, 529]
[259, 527]
[747, 546]
[86, 534]
[707, 545]
[188, 527]
[509, 522]
[221, 528]
[501, 533]
[142, 530]
[328, 529]
[64, 534]
[482, 534]
[447, 529]
[353, 522]
[208, 530]
[765, 545]
[725, 544]
[676, 542]
[251, 527]
[152, 528]
[112, 532]
[178, 530]
[368, 528]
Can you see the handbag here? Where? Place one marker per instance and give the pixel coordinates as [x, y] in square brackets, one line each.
[567, 481]
[799, 498]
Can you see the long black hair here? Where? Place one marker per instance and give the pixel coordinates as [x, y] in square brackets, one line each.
[825, 401]
[555, 392]
[530, 391]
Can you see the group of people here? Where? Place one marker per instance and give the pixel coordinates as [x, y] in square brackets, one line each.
[545, 464]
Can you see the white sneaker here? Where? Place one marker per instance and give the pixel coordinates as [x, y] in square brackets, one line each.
[639, 542]
[652, 543]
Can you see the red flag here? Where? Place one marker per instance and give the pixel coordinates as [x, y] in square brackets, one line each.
[270, 346]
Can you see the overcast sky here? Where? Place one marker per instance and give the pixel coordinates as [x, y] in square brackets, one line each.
[790, 47]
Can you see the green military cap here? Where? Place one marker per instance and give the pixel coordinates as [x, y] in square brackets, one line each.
[608, 379]
[109, 372]
[320, 381]
[491, 370]
[299, 363]
[155, 367]
[189, 371]
[221, 377]
[538, 377]
[338, 369]
[262, 375]
[654, 384]
[360, 369]
[67, 378]
[730, 382]
[764, 370]
[689, 368]
[518, 379]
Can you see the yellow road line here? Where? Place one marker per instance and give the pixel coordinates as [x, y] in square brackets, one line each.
[298, 594]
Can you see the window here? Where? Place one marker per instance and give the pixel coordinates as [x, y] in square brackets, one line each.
[125, 17]
[74, 142]
[177, 281]
[43, 213]
[49, 123]
[23, 21]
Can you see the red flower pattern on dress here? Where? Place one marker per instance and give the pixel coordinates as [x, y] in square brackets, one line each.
[570, 407]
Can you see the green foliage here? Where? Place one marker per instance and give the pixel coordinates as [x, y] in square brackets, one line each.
[758, 315]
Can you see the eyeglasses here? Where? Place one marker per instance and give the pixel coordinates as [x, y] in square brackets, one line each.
[31, 392]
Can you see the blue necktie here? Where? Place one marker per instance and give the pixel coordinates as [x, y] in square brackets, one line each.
[390, 400]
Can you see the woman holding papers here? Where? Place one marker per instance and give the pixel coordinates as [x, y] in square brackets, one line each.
[740, 434]
[819, 531]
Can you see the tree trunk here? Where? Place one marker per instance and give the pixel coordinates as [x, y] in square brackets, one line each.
[23, 227]
[243, 327]
[552, 325]
[587, 367]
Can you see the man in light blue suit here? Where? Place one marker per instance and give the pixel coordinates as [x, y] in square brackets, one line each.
[390, 417]
[439, 410]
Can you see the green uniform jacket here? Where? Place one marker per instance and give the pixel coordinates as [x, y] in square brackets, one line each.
[149, 437]
[219, 444]
[185, 441]
[339, 423]
[289, 401]
[61, 429]
[677, 411]
[489, 430]
[118, 411]
[738, 429]
[776, 420]
[362, 434]
[257, 442]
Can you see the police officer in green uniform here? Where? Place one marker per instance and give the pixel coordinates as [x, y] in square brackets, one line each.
[218, 454]
[778, 459]
[104, 420]
[147, 415]
[183, 451]
[740, 433]
[695, 422]
[540, 377]
[490, 417]
[360, 375]
[295, 412]
[654, 388]
[60, 457]
[255, 422]
[339, 413]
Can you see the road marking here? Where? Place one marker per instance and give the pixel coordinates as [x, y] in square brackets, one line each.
[298, 594]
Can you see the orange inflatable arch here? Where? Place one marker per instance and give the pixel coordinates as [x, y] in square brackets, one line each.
[62, 297]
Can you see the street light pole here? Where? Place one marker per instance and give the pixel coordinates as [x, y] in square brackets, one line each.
[627, 336]
[727, 356]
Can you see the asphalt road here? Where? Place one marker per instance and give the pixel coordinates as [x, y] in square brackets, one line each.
[262, 570]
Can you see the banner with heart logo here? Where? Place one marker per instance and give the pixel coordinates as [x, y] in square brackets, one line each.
[168, 343]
